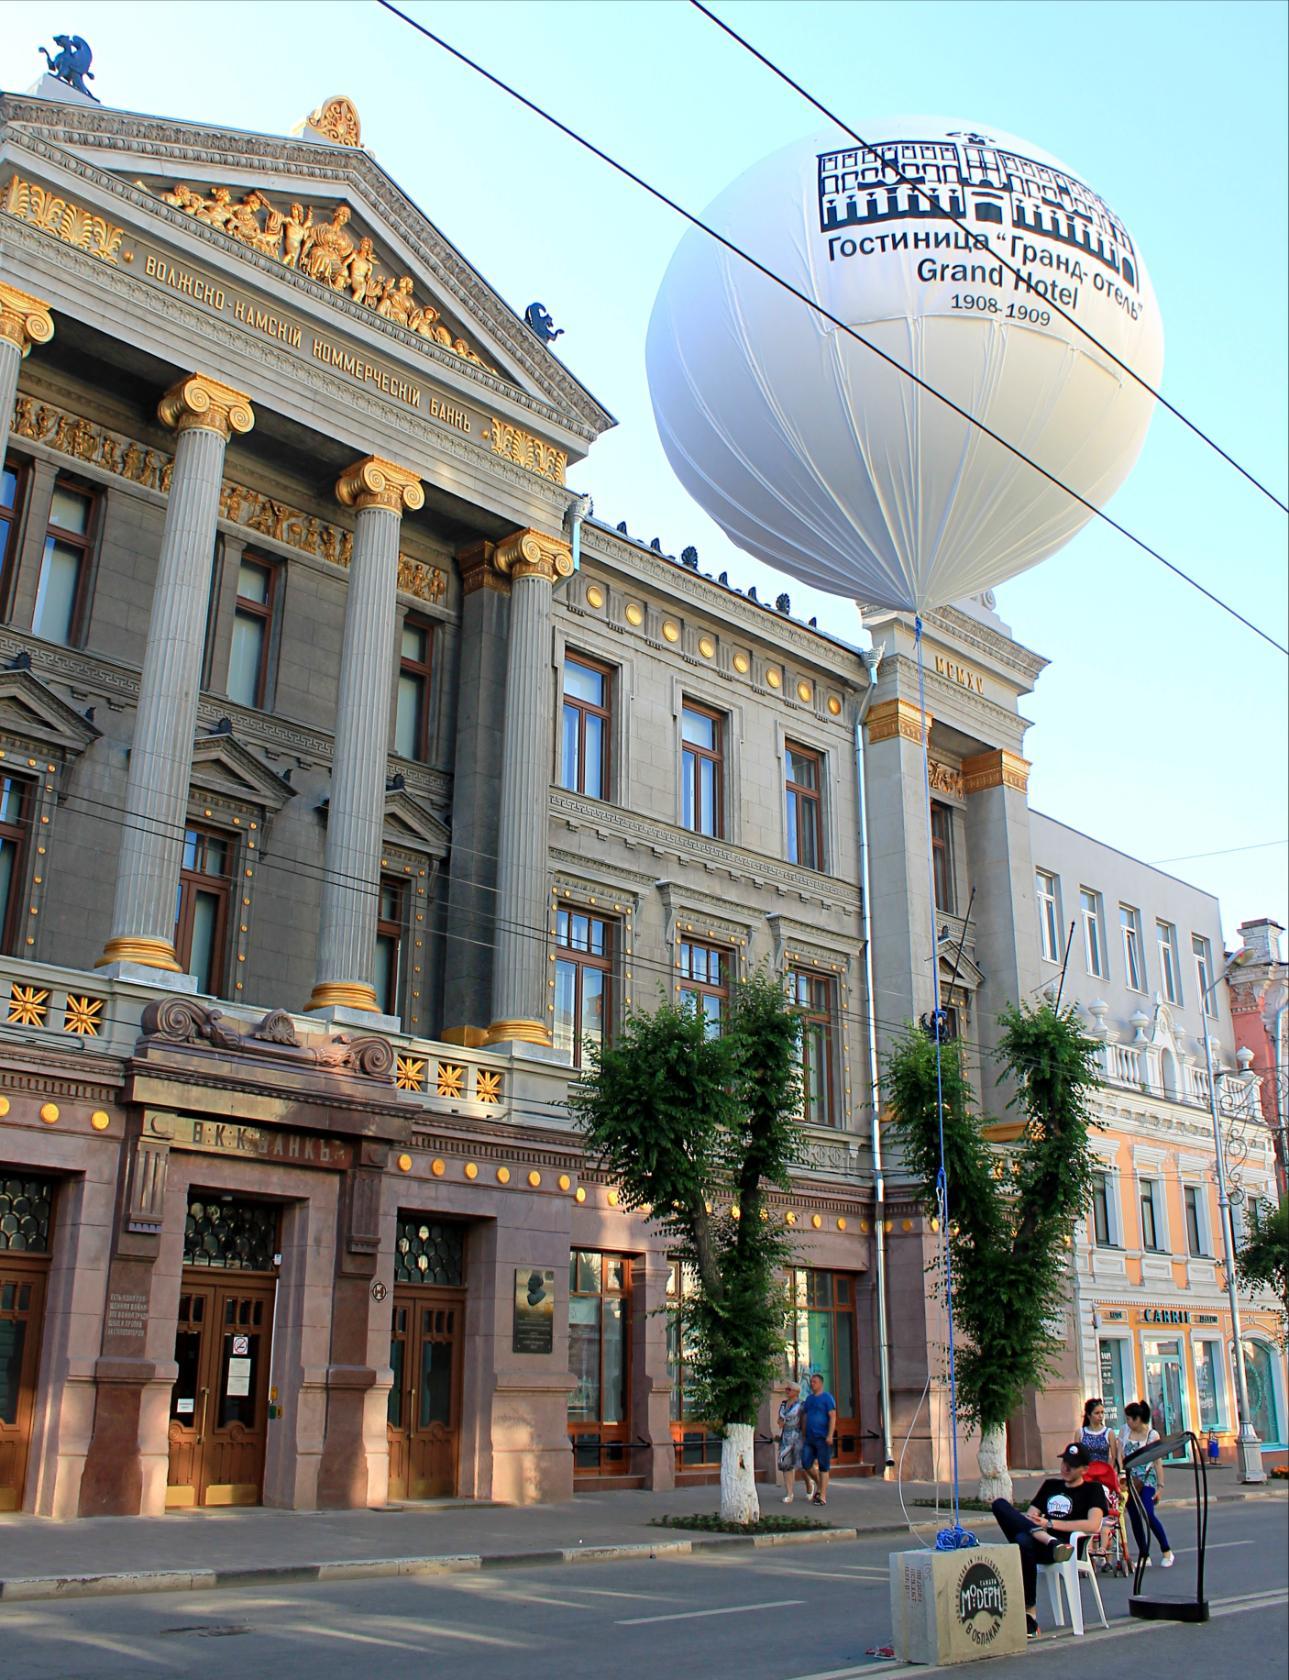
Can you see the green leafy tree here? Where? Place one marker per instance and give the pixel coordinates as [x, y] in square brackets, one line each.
[1011, 1217]
[1262, 1262]
[697, 1129]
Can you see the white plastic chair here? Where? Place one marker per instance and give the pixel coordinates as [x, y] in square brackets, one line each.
[1068, 1575]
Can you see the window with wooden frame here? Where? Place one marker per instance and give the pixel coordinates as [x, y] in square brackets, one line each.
[391, 920]
[585, 720]
[12, 486]
[702, 735]
[412, 721]
[15, 831]
[65, 564]
[249, 656]
[705, 982]
[201, 914]
[815, 996]
[804, 775]
[584, 948]
[946, 896]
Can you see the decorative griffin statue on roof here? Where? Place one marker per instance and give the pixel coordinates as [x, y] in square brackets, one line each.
[72, 64]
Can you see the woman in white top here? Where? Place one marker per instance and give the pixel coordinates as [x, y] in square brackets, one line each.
[1149, 1482]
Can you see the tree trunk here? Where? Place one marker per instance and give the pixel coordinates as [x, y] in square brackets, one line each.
[995, 1478]
[739, 1502]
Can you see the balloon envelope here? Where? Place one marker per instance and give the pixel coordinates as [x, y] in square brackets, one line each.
[832, 465]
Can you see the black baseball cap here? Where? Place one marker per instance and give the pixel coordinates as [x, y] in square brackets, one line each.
[1076, 1454]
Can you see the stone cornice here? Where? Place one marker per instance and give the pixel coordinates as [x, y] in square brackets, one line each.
[998, 768]
[25, 120]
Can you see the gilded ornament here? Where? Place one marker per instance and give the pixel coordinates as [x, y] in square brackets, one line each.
[451, 1079]
[487, 1086]
[337, 119]
[945, 779]
[28, 1005]
[531, 553]
[24, 320]
[528, 451]
[995, 769]
[199, 401]
[69, 222]
[410, 1073]
[890, 718]
[83, 1016]
[373, 482]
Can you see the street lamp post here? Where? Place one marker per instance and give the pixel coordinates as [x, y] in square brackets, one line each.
[1248, 1448]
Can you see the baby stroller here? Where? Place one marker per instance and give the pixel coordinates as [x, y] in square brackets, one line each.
[1109, 1549]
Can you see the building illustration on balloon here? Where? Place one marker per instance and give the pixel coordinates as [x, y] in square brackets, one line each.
[966, 176]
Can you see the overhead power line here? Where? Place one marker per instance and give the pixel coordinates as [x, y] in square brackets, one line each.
[916, 186]
[811, 303]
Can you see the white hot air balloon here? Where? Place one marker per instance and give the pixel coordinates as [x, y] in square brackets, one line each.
[829, 464]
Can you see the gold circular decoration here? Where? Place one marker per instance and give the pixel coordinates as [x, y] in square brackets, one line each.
[670, 630]
[804, 692]
[564, 1181]
[503, 1175]
[888, 1225]
[579, 1195]
[594, 596]
[438, 1167]
[774, 679]
[834, 706]
[789, 1218]
[471, 1170]
[736, 1212]
[906, 1224]
[841, 1224]
[816, 1220]
[742, 664]
[935, 1224]
[100, 1120]
[405, 1163]
[49, 1113]
[534, 1178]
[613, 1198]
[863, 1225]
[707, 647]
[635, 614]
[4, 1107]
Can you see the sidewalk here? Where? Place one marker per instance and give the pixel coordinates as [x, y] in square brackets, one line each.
[40, 1558]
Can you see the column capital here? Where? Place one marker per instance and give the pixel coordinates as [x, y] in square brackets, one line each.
[999, 768]
[24, 320]
[889, 718]
[530, 553]
[375, 482]
[200, 401]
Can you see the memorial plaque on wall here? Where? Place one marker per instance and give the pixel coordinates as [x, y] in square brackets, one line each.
[534, 1330]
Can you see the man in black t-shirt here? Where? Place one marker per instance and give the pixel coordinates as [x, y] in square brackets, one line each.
[1059, 1510]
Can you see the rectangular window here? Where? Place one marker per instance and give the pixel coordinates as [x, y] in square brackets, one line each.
[705, 982]
[1134, 963]
[1149, 1215]
[1209, 1385]
[805, 807]
[412, 723]
[1049, 915]
[584, 728]
[702, 735]
[814, 997]
[1169, 967]
[201, 913]
[389, 944]
[11, 487]
[1093, 940]
[599, 1318]
[583, 981]
[1102, 1225]
[15, 826]
[1203, 953]
[1192, 1194]
[248, 660]
[946, 897]
[64, 566]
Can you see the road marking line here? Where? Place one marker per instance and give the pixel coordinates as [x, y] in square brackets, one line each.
[728, 1610]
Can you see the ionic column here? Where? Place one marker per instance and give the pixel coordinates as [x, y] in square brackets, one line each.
[205, 413]
[351, 880]
[532, 561]
[24, 321]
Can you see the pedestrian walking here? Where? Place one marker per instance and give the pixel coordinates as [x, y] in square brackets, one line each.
[790, 1438]
[1148, 1482]
[1105, 1461]
[818, 1431]
[1062, 1508]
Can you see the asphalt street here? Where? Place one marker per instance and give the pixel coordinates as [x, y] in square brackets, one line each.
[802, 1613]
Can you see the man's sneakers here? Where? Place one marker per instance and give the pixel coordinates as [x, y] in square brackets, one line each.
[1062, 1554]
[1168, 1560]
[1031, 1626]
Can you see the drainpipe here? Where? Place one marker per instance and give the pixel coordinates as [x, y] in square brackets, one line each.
[578, 509]
[872, 658]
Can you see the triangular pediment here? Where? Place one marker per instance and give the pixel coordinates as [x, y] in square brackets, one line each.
[411, 824]
[31, 712]
[222, 766]
[355, 239]
[957, 967]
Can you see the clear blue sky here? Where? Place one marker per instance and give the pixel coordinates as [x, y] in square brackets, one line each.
[1161, 725]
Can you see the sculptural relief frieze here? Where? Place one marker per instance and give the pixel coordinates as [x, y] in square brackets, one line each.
[74, 435]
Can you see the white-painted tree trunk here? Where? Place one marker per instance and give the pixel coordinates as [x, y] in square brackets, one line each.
[995, 1478]
[739, 1502]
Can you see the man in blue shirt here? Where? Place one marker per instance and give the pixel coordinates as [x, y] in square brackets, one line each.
[818, 1427]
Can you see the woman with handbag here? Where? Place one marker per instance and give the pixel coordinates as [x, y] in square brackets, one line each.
[789, 1455]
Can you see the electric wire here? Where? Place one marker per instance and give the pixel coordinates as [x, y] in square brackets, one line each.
[811, 303]
[958, 222]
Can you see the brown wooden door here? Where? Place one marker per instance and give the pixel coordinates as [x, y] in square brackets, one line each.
[219, 1405]
[424, 1421]
[22, 1300]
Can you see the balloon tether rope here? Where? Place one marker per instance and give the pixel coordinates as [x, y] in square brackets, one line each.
[956, 1537]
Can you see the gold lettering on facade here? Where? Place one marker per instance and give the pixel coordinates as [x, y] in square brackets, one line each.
[963, 675]
[528, 451]
[233, 1137]
[325, 250]
[69, 222]
[336, 356]
[72, 434]
[184, 281]
[263, 320]
[449, 413]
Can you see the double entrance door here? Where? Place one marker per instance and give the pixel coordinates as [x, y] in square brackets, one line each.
[22, 1296]
[424, 1419]
[219, 1406]
[1165, 1382]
